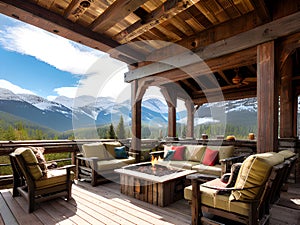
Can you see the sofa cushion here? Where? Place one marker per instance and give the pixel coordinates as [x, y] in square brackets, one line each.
[112, 164]
[224, 151]
[96, 149]
[210, 170]
[110, 147]
[120, 152]
[253, 174]
[210, 157]
[179, 153]
[194, 152]
[31, 160]
[187, 165]
[287, 153]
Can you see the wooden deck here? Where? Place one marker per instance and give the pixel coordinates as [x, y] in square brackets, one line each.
[105, 205]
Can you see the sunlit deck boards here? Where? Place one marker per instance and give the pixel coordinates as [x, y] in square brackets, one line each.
[100, 205]
[105, 205]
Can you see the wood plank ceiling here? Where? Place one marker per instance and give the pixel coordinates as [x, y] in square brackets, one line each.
[193, 24]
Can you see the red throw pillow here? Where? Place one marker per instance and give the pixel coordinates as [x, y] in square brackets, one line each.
[210, 157]
[179, 152]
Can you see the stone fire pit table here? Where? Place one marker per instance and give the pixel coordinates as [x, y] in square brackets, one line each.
[158, 190]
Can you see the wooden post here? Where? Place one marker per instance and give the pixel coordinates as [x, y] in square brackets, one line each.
[267, 99]
[136, 125]
[286, 100]
[190, 119]
[171, 98]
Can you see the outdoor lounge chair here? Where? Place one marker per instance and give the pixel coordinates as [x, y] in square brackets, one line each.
[257, 187]
[36, 184]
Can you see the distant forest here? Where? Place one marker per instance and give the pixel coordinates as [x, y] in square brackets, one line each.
[21, 130]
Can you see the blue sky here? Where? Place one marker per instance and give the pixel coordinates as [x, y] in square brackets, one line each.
[38, 62]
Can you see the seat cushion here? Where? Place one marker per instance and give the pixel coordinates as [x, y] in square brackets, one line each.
[253, 174]
[210, 197]
[53, 178]
[210, 170]
[194, 152]
[96, 149]
[31, 161]
[112, 164]
[187, 165]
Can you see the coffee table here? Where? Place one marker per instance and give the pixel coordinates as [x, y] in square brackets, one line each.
[157, 190]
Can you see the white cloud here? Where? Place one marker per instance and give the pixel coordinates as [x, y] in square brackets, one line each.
[14, 88]
[49, 48]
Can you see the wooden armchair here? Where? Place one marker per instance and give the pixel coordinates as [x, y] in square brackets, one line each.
[257, 187]
[36, 185]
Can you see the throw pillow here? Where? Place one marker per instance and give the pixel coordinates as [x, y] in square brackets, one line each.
[235, 168]
[120, 152]
[169, 155]
[179, 153]
[39, 154]
[210, 157]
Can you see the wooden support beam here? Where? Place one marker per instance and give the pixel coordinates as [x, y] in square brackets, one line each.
[55, 23]
[190, 119]
[166, 11]
[267, 32]
[136, 124]
[116, 12]
[267, 99]
[286, 100]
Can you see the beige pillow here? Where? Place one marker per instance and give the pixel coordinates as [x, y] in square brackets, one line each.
[32, 161]
[110, 147]
[224, 151]
[194, 152]
[96, 149]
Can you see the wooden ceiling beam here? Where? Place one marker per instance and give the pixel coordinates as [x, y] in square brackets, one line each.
[267, 32]
[166, 11]
[116, 12]
[262, 10]
[57, 24]
[209, 36]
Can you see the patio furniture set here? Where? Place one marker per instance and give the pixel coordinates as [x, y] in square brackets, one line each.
[188, 171]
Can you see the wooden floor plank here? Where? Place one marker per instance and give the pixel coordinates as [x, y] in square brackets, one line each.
[165, 212]
[22, 216]
[105, 204]
[6, 216]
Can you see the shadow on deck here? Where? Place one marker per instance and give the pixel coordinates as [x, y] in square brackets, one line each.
[105, 204]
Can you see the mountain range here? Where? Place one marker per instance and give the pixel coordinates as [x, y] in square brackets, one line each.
[85, 111]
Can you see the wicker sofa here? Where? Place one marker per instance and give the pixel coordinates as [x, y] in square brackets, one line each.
[97, 161]
[210, 160]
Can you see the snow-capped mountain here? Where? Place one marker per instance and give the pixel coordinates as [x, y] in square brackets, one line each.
[65, 113]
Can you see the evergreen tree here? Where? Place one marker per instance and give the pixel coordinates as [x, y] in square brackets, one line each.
[111, 132]
[121, 129]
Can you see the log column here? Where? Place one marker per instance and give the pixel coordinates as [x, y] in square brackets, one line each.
[137, 92]
[287, 125]
[267, 99]
[190, 119]
[171, 98]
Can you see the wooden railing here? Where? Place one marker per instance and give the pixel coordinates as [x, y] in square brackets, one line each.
[62, 146]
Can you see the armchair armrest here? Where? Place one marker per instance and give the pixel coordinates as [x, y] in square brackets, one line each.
[227, 163]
